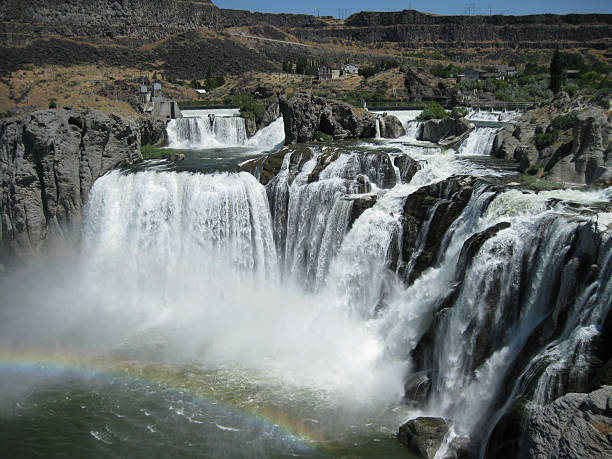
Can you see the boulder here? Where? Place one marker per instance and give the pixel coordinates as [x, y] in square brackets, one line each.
[361, 203]
[445, 128]
[49, 160]
[305, 114]
[432, 208]
[574, 425]
[391, 127]
[407, 167]
[588, 160]
[379, 167]
[424, 435]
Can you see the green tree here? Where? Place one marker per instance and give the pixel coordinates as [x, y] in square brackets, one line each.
[557, 72]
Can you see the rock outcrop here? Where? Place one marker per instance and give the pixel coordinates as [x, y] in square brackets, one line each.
[589, 160]
[419, 84]
[432, 208]
[423, 436]
[418, 29]
[270, 114]
[305, 114]
[445, 128]
[49, 160]
[575, 425]
[577, 153]
[391, 127]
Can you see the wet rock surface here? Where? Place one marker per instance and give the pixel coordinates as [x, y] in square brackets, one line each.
[423, 436]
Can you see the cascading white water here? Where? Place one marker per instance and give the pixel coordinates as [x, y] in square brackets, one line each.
[409, 121]
[201, 132]
[269, 138]
[173, 217]
[200, 268]
[479, 141]
[194, 263]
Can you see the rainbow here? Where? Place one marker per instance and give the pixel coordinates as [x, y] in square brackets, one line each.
[172, 378]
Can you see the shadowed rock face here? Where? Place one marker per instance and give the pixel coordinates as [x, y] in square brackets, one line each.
[305, 114]
[49, 161]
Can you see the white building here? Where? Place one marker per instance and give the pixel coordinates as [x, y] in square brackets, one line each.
[351, 69]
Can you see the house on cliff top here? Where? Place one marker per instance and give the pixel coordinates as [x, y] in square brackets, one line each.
[329, 72]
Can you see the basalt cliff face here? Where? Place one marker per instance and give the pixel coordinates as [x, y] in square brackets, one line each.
[22, 23]
[534, 31]
[49, 161]
[129, 18]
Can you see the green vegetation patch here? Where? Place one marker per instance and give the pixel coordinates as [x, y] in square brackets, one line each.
[565, 122]
[151, 152]
[545, 139]
[433, 110]
[322, 137]
[249, 107]
[540, 184]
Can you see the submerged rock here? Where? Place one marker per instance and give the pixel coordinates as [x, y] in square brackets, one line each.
[424, 436]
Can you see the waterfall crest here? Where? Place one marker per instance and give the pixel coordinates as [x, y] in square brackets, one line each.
[180, 217]
[213, 131]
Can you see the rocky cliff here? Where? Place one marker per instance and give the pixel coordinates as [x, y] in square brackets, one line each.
[567, 140]
[151, 19]
[575, 425]
[48, 163]
[535, 31]
[305, 114]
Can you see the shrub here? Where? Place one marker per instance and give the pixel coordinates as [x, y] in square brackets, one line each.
[565, 122]
[52, 103]
[249, 107]
[571, 90]
[433, 110]
[545, 139]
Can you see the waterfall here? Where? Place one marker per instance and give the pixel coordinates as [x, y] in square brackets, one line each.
[200, 132]
[356, 274]
[377, 135]
[409, 121]
[272, 137]
[182, 218]
[468, 312]
[479, 141]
